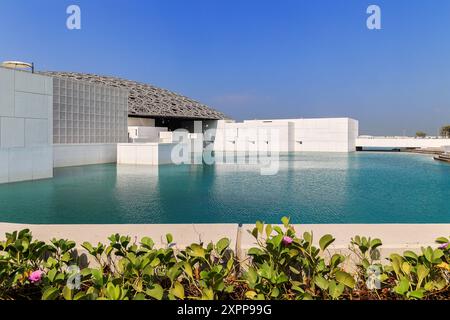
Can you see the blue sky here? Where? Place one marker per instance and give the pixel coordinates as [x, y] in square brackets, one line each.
[256, 58]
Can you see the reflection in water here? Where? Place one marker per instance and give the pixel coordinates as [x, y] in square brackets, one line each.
[311, 188]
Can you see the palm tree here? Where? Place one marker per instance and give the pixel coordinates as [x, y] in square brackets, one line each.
[445, 131]
[421, 134]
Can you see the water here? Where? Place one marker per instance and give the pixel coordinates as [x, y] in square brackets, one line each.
[310, 188]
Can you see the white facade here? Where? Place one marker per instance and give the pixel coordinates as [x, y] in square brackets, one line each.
[401, 142]
[288, 135]
[69, 155]
[87, 113]
[145, 133]
[26, 126]
[145, 153]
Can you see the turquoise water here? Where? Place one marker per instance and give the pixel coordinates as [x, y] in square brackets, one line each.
[362, 187]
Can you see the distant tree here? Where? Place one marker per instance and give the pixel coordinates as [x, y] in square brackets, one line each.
[421, 134]
[445, 131]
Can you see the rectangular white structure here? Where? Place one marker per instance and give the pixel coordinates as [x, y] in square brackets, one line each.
[26, 126]
[401, 142]
[288, 135]
[68, 155]
[144, 153]
[145, 134]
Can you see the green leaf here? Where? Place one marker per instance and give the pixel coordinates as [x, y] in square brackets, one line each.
[222, 245]
[308, 237]
[269, 230]
[67, 293]
[442, 240]
[169, 238]
[336, 260]
[278, 230]
[139, 296]
[254, 233]
[428, 253]
[250, 295]
[335, 290]
[255, 251]
[275, 292]
[156, 292]
[321, 282]
[147, 242]
[402, 287]
[98, 276]
[230, 263]
[207, 294]
[112, 291]
[51, 275]
[375, 243]
[325, 241]
[277, 240]
[411, 255]
[345, 278]
[417, 294]
[88, 247]
[406, 268]
[197, 251]
[285, 221]
[396, 262]
[80, 296]
[188, 269]
[294, 270]
[155, 262]
[66, 257]
[178, 290]
[252, 276]
[50, 293]
[422, 273]
[437, 254]
[259, 226]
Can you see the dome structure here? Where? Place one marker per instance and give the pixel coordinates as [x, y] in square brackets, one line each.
[145, 100]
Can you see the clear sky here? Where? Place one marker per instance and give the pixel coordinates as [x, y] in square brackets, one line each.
[255, 59]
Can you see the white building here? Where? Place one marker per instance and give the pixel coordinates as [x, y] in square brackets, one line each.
[53, 119]
[26, 126]
[288, 135]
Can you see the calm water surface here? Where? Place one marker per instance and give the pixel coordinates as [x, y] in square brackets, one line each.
[311, 188]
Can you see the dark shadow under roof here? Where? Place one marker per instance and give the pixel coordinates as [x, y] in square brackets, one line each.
[146, 100]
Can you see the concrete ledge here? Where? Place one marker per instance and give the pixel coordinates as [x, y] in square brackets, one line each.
[395, 237]
[183, 234]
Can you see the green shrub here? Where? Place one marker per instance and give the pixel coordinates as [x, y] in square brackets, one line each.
[282, 265]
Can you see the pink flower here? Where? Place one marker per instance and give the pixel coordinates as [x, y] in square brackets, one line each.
[444, 245]
[36, 276]
[287, 240]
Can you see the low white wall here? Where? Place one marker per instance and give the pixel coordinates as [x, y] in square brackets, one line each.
[68, 155]
[381, 142]
[26, 126]
[145, 134]
[144, 153]
[395, 237]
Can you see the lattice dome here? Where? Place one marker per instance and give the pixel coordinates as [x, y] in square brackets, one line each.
[147, 100]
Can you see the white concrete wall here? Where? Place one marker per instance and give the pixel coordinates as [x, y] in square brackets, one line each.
[407, 142]
[26, 126]
[312, 135]
[145, 134]
[69, 155]
[144, 153]
[395, 237]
